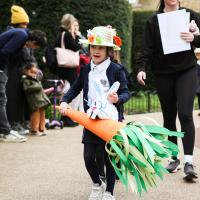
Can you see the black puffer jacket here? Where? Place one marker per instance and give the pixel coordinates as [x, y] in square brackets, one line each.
[152, 53]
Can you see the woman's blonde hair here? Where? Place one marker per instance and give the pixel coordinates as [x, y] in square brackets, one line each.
[67, 20]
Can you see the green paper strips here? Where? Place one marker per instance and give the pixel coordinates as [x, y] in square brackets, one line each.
[136, 153]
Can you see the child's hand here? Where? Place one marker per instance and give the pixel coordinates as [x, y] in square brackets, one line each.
[63, 107]
[113, 97]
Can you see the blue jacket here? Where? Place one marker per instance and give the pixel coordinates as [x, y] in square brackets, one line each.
[10, 42]
[114, 73]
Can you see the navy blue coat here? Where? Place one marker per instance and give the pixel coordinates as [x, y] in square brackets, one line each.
[114, 73]
[10, 42]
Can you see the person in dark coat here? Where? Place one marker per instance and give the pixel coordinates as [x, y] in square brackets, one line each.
[11, 42]
[175, 80]
[15, 106]
[36, 98]
[71, 41]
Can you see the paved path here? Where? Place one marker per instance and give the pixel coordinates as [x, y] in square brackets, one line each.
[52, 168]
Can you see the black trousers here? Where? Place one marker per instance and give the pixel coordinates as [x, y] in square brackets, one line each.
[90, 152]
[176, 94]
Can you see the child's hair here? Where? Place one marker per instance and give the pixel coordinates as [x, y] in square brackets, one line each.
[28, 66]
[39, 37]
[115, 56]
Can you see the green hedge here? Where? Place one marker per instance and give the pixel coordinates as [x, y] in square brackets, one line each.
[46, 15]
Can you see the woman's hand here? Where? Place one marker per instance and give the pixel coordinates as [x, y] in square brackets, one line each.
[113, 97]
[63, 107]
[141, 76]
[194, 29]
[187, 36]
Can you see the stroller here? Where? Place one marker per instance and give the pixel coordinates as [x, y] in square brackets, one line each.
[53, 121]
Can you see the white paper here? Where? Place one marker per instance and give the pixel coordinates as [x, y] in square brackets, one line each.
[171, 24]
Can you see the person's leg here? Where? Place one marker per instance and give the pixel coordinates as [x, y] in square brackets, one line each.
[34, 121]
[100, 161]
[165, 85]
[42, 120]
[4, 124]
[185, 90]
[15, 98]
[90, 162]
[110, 174]
[98, 187]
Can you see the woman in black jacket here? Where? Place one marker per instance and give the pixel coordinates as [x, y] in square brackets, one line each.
[175, 80]
[71, 41]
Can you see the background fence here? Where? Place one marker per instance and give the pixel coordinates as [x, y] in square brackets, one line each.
[145, 101]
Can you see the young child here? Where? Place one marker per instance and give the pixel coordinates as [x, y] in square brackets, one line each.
[103, 71]
[36, 98]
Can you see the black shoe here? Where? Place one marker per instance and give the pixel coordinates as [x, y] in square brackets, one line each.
[173, 166]
[190, 174]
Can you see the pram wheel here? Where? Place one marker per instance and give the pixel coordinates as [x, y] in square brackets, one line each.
[47, 125]
[61, 124]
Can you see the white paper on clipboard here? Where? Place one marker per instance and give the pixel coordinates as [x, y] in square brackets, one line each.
[171, 24]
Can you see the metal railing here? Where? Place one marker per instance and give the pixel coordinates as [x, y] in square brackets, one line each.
[145, 102]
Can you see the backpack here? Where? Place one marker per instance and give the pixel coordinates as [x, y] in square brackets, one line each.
[50, 57]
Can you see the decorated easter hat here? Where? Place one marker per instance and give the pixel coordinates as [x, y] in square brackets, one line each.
[117, 40]
[103, 36]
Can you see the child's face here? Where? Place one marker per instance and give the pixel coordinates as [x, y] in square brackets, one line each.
[98, 53]
[34, 70]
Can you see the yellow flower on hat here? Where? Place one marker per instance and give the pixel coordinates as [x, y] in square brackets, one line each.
[19, 15]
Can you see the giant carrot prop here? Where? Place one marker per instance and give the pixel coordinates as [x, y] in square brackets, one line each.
[135, 150]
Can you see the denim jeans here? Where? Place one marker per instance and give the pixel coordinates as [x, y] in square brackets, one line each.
[4, 124]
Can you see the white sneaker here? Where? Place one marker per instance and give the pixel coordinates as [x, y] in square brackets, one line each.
[108, 196]
[97, 192]
[24, 132]
[17, 135]
[13, 137]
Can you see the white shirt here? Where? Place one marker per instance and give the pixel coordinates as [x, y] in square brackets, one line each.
[98, 73]
[98, 92]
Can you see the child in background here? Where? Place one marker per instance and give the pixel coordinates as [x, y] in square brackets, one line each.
[197, 53]
[101, 69]
[36, 98]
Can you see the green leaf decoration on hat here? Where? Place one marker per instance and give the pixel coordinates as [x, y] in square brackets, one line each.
[98, 40]
[136, 153]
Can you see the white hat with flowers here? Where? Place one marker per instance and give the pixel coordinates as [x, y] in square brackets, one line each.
[103, 36]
